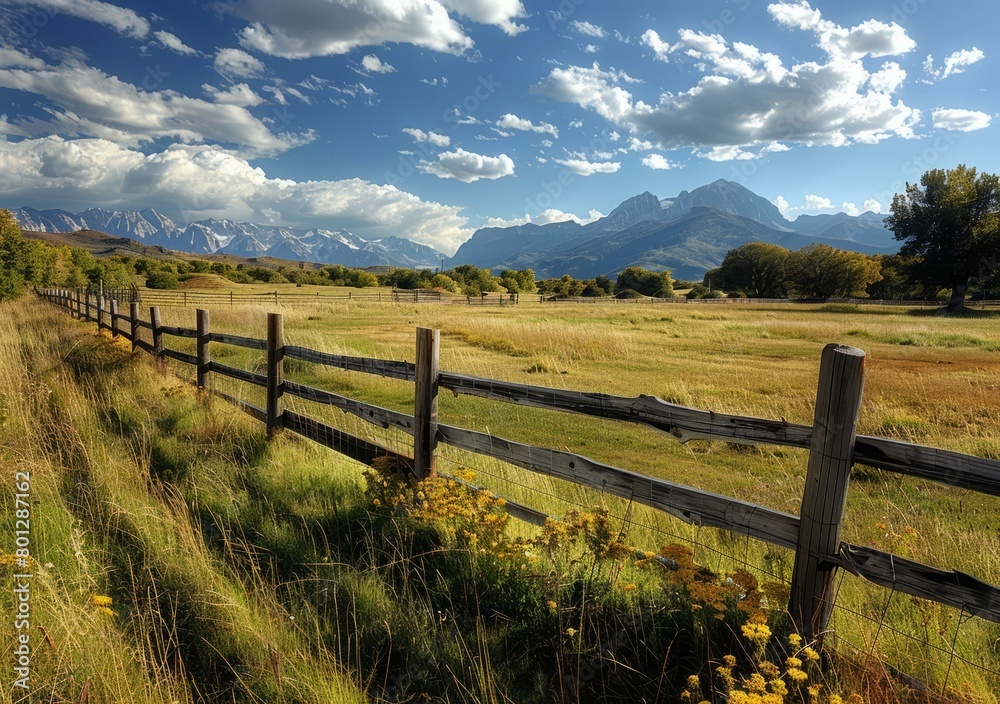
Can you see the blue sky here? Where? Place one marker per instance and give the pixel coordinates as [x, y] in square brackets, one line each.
[428, 119]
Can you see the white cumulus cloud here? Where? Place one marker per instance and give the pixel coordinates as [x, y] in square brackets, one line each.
[373, 64]
[468, 166]
[960, 120]
[236, 63]
[122, 20]
[588, 29]
[584, 167]
[870, 38]
[85, 101]
[239, 94]
[513, 122]
[659, 162]
[296, 29]
[749, 103]
[174, 43]
[438, 140]
[499, 13]
[954, 63]
[546, 217]
[193, 182]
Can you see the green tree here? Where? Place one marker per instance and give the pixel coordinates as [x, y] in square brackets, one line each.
[444, 281]
[518, 281]
[759, 268]
[821, 271]
[13, 257]
[657, 284]
[951, 220]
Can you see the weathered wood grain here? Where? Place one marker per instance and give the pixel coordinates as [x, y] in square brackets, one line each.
[204, 353]
[248, 408]
[953, 588]
[178, 332]
[180, 356]
[355, 448]
[425, 407]
[944, 466]
[238, 340]
[275, 370]
[828, 474]
[376, 415]
[241, 374]
[379, 367]
[689, 504]
[681, 422]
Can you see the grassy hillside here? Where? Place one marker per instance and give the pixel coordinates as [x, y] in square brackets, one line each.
[129, 600]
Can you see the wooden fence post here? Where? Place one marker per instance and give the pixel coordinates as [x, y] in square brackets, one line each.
[204, 356]
[134, 322]
[114, 317]
[275, 370]
[154, 320]
[838, 400]
[425, 413]
[100, 313]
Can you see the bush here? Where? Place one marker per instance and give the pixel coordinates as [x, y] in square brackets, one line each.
[162, 279]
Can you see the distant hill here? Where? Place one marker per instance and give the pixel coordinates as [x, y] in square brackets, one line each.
[688, 234]
[151, 228]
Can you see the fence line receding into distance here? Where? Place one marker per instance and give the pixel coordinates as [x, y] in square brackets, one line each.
[831, 440]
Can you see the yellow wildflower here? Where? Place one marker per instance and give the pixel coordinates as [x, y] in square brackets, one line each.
[769, 669]
[810, 654]
[100, 601]
[778, 687]
[793, 662]
[755, 683]
[797, 675]
[794, 640]
[757, 632]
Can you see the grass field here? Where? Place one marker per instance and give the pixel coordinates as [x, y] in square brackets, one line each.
[166, 499]
[931, 380]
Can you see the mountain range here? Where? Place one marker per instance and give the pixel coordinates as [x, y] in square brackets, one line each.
[688, 234]
[243, 239]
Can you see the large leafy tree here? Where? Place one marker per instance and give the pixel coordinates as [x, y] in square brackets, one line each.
[759, 269]
[15, 258]
[951, 220]
[821, 271]
[657, 284]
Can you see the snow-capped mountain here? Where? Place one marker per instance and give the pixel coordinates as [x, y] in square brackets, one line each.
[245, 239]
[688, 234]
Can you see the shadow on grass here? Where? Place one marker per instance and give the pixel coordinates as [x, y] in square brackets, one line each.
[944, 312]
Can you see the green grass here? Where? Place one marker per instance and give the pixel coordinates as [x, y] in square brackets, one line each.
[753, 360]
[276, 530]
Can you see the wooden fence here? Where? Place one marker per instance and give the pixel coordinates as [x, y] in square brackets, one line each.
[814, 534]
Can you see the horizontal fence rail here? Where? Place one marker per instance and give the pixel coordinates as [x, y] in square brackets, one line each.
[689, 504]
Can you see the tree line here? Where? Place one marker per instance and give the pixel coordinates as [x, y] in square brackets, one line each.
[949, 226]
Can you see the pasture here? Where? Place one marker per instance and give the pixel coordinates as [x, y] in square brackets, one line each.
[930, 380]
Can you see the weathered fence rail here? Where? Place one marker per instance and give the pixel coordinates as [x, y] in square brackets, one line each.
[831, 441]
